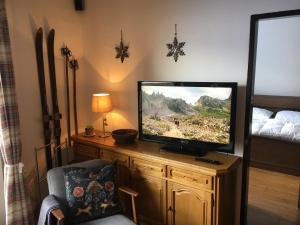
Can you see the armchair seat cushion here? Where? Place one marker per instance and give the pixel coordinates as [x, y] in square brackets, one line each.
[111, 220]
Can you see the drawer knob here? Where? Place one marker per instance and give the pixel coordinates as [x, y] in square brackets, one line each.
[206, 182]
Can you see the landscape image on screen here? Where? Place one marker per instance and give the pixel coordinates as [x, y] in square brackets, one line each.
[193, 113]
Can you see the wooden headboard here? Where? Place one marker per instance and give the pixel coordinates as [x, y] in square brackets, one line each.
[276, 103]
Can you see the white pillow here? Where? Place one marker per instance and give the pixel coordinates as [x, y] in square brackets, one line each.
[257, 125]
[259, 113]
[272, 128]
[288, 116]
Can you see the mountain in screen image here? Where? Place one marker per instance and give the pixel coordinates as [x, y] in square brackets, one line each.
[207, 119]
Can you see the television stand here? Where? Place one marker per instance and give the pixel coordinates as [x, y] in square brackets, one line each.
[184, 149]
[211, 191]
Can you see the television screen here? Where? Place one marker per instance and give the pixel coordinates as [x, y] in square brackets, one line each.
[195, 112]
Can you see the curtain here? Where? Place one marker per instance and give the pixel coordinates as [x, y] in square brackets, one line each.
[17, 205]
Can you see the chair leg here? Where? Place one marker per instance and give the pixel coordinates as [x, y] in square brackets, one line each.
[133, 210]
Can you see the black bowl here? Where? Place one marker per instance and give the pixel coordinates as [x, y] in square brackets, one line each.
[124, 136]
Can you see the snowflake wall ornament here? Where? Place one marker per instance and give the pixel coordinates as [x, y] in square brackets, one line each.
[175, 48]
[122, 50]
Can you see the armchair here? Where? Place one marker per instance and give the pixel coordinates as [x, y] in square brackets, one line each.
[56, 187]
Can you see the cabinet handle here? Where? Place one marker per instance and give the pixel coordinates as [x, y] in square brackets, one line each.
[171, 172]
[171, 209]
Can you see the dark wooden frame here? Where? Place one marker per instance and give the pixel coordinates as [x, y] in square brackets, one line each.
[249, 95]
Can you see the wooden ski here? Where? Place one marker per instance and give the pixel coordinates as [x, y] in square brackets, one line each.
[43, 96]
[66, 52]
[75, 66]
[56, 115]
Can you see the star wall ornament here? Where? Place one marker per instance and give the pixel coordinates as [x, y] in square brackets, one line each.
[175, 48]
[122, 50]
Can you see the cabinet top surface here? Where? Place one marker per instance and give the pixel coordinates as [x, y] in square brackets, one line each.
[151, 151]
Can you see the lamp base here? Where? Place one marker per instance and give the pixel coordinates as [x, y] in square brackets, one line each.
[105, 134]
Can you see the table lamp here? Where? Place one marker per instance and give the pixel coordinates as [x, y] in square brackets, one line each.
[102, 103]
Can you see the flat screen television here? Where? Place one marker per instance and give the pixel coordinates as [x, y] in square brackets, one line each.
[188, 117]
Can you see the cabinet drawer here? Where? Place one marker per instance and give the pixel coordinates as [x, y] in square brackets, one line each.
[86, 151]
[190, 177]
[143, 167]
[122, 159]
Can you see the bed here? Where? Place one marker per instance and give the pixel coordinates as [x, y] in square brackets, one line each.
[275, 143]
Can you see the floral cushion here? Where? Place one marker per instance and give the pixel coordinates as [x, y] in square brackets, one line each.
[90, 193]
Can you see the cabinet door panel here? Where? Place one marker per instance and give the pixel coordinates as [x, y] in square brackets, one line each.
[85, 152]
[188, 206]
[142, 168]
[151, 202]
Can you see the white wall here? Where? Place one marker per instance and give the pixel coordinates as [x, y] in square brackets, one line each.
[24, 19]
[216, 35]
[278, 54]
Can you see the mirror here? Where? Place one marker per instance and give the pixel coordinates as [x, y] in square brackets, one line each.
[272, 134]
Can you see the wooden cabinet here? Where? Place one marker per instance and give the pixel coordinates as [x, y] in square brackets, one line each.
[188, 205]
[173, 189]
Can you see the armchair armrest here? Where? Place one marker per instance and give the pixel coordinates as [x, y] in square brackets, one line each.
[59, 216]
[51, 212]
[129, 191]
[133, 195]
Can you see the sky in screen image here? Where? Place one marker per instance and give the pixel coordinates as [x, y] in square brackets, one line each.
[189, 94]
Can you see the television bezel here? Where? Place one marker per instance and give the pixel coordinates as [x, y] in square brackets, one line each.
[194, 144]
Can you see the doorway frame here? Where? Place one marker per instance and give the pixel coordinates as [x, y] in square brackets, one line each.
[249, 97]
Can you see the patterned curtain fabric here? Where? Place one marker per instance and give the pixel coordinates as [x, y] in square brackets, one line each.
[17, 205]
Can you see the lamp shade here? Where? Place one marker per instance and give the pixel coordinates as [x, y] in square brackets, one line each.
[101, 103]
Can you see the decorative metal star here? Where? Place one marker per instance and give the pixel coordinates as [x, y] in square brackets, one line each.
[175, 49]
[122, 50]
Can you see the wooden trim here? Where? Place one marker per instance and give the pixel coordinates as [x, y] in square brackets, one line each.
[278, 14]
[129, 191]
[274, 167]
[133, 194]
[59, 216]
[276, 103]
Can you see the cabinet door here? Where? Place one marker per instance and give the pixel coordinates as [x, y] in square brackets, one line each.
[188, 206]
[151, 202]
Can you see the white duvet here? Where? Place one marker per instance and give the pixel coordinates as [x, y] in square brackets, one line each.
[274, 128]
[257, 124]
